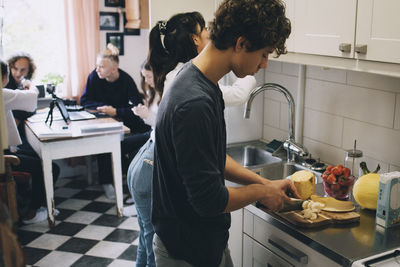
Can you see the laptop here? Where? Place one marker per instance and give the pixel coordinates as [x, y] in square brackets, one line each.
[73, 115]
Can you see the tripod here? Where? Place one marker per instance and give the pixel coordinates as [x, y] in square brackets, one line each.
[55, 102]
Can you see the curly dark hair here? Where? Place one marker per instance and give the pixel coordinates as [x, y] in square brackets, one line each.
[14, 58]
[261, 22]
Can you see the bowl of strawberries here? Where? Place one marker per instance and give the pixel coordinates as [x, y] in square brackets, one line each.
[338, 182]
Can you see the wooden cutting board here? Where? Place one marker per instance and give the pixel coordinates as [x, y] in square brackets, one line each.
[324, 218]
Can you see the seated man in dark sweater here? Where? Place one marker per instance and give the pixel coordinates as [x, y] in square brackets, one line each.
[112, 91]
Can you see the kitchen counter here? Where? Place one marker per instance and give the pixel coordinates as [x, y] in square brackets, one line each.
[343, 244]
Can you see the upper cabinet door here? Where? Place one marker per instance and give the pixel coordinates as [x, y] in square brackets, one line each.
[324, 27]
[290, 15]
[378, 30]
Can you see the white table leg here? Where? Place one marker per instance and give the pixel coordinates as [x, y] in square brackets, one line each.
[48, 185]
[117, 173]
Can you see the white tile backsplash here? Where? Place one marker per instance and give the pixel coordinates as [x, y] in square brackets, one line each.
[397, 113]
[284, 118]
[290, 69]
[323, 127]
[289, 82]
[271, 112]
[271, 133]
[327, 153]
[340, 106]
[373, 106]
[326, 74]
[376, 142]
[375, 81]
[274, 66]
[393, 168]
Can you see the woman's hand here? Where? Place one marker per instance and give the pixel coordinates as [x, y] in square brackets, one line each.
[141, 110]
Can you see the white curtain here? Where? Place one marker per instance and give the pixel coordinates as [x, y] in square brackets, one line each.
[83, 43]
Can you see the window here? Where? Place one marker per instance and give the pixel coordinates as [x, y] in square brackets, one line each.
[36, 27]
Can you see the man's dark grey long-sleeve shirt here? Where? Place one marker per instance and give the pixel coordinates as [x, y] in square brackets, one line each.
[189, 193]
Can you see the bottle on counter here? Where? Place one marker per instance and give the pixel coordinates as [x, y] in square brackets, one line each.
[353, 159]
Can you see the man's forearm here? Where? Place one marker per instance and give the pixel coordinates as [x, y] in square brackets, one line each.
[236, 173]
[243, 196]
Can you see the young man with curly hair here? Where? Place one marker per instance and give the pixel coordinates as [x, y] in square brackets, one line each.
[191, 203]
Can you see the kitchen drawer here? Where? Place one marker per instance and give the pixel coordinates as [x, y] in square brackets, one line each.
[256, 255]
[282, 244]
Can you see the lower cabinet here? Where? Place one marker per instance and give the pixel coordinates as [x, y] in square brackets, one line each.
[266, 245]
[236, 237]
[256, 255]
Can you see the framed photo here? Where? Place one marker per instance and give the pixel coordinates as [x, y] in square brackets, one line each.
[109, 21]
[117, 39]
[129, 31]
[114, 3]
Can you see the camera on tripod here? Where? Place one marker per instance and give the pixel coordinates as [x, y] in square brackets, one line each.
[51, 88]
[56, 102]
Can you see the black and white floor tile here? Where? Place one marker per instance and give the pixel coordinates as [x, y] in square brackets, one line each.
[87, 231]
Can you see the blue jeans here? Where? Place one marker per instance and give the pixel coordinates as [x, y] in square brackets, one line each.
[140, 179]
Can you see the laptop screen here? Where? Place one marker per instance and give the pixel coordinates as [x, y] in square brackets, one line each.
[63, 110]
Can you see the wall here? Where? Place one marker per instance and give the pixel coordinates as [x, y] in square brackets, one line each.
[163, 10]
[340, 106]
[239, 129]
[135, 46]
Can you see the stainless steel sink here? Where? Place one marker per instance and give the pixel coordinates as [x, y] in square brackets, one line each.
[251, 156]
[254, 157]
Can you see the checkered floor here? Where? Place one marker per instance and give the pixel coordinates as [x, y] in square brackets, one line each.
[87, 231]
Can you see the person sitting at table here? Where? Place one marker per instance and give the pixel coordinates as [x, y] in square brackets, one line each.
[29, 161]
[112, 91]
[22, 68]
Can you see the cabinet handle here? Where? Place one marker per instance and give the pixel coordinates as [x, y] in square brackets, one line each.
[360, 48]
[345, 47]
[288, 250]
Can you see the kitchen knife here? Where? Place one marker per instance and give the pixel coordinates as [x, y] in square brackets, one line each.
[292, 204]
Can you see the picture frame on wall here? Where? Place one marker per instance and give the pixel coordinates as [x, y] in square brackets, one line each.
[129, 31]
[114, 3]
[117, 39]
[109, 21]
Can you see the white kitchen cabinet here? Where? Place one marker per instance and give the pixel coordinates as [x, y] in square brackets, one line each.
[266, 245]
[290, 14]
[256, 255]
[235, 237]
[363, 29]
[320, 26]
[378, 28]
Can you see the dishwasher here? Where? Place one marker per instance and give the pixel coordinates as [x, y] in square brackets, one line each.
[389, 258]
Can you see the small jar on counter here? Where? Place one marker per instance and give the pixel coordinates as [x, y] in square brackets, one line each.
[353, 159]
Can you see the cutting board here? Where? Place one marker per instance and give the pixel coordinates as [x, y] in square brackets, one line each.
[324, 218]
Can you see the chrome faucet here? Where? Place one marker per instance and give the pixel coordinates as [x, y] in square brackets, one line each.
[290, 145]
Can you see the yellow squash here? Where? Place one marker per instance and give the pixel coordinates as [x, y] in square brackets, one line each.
[365, 190]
